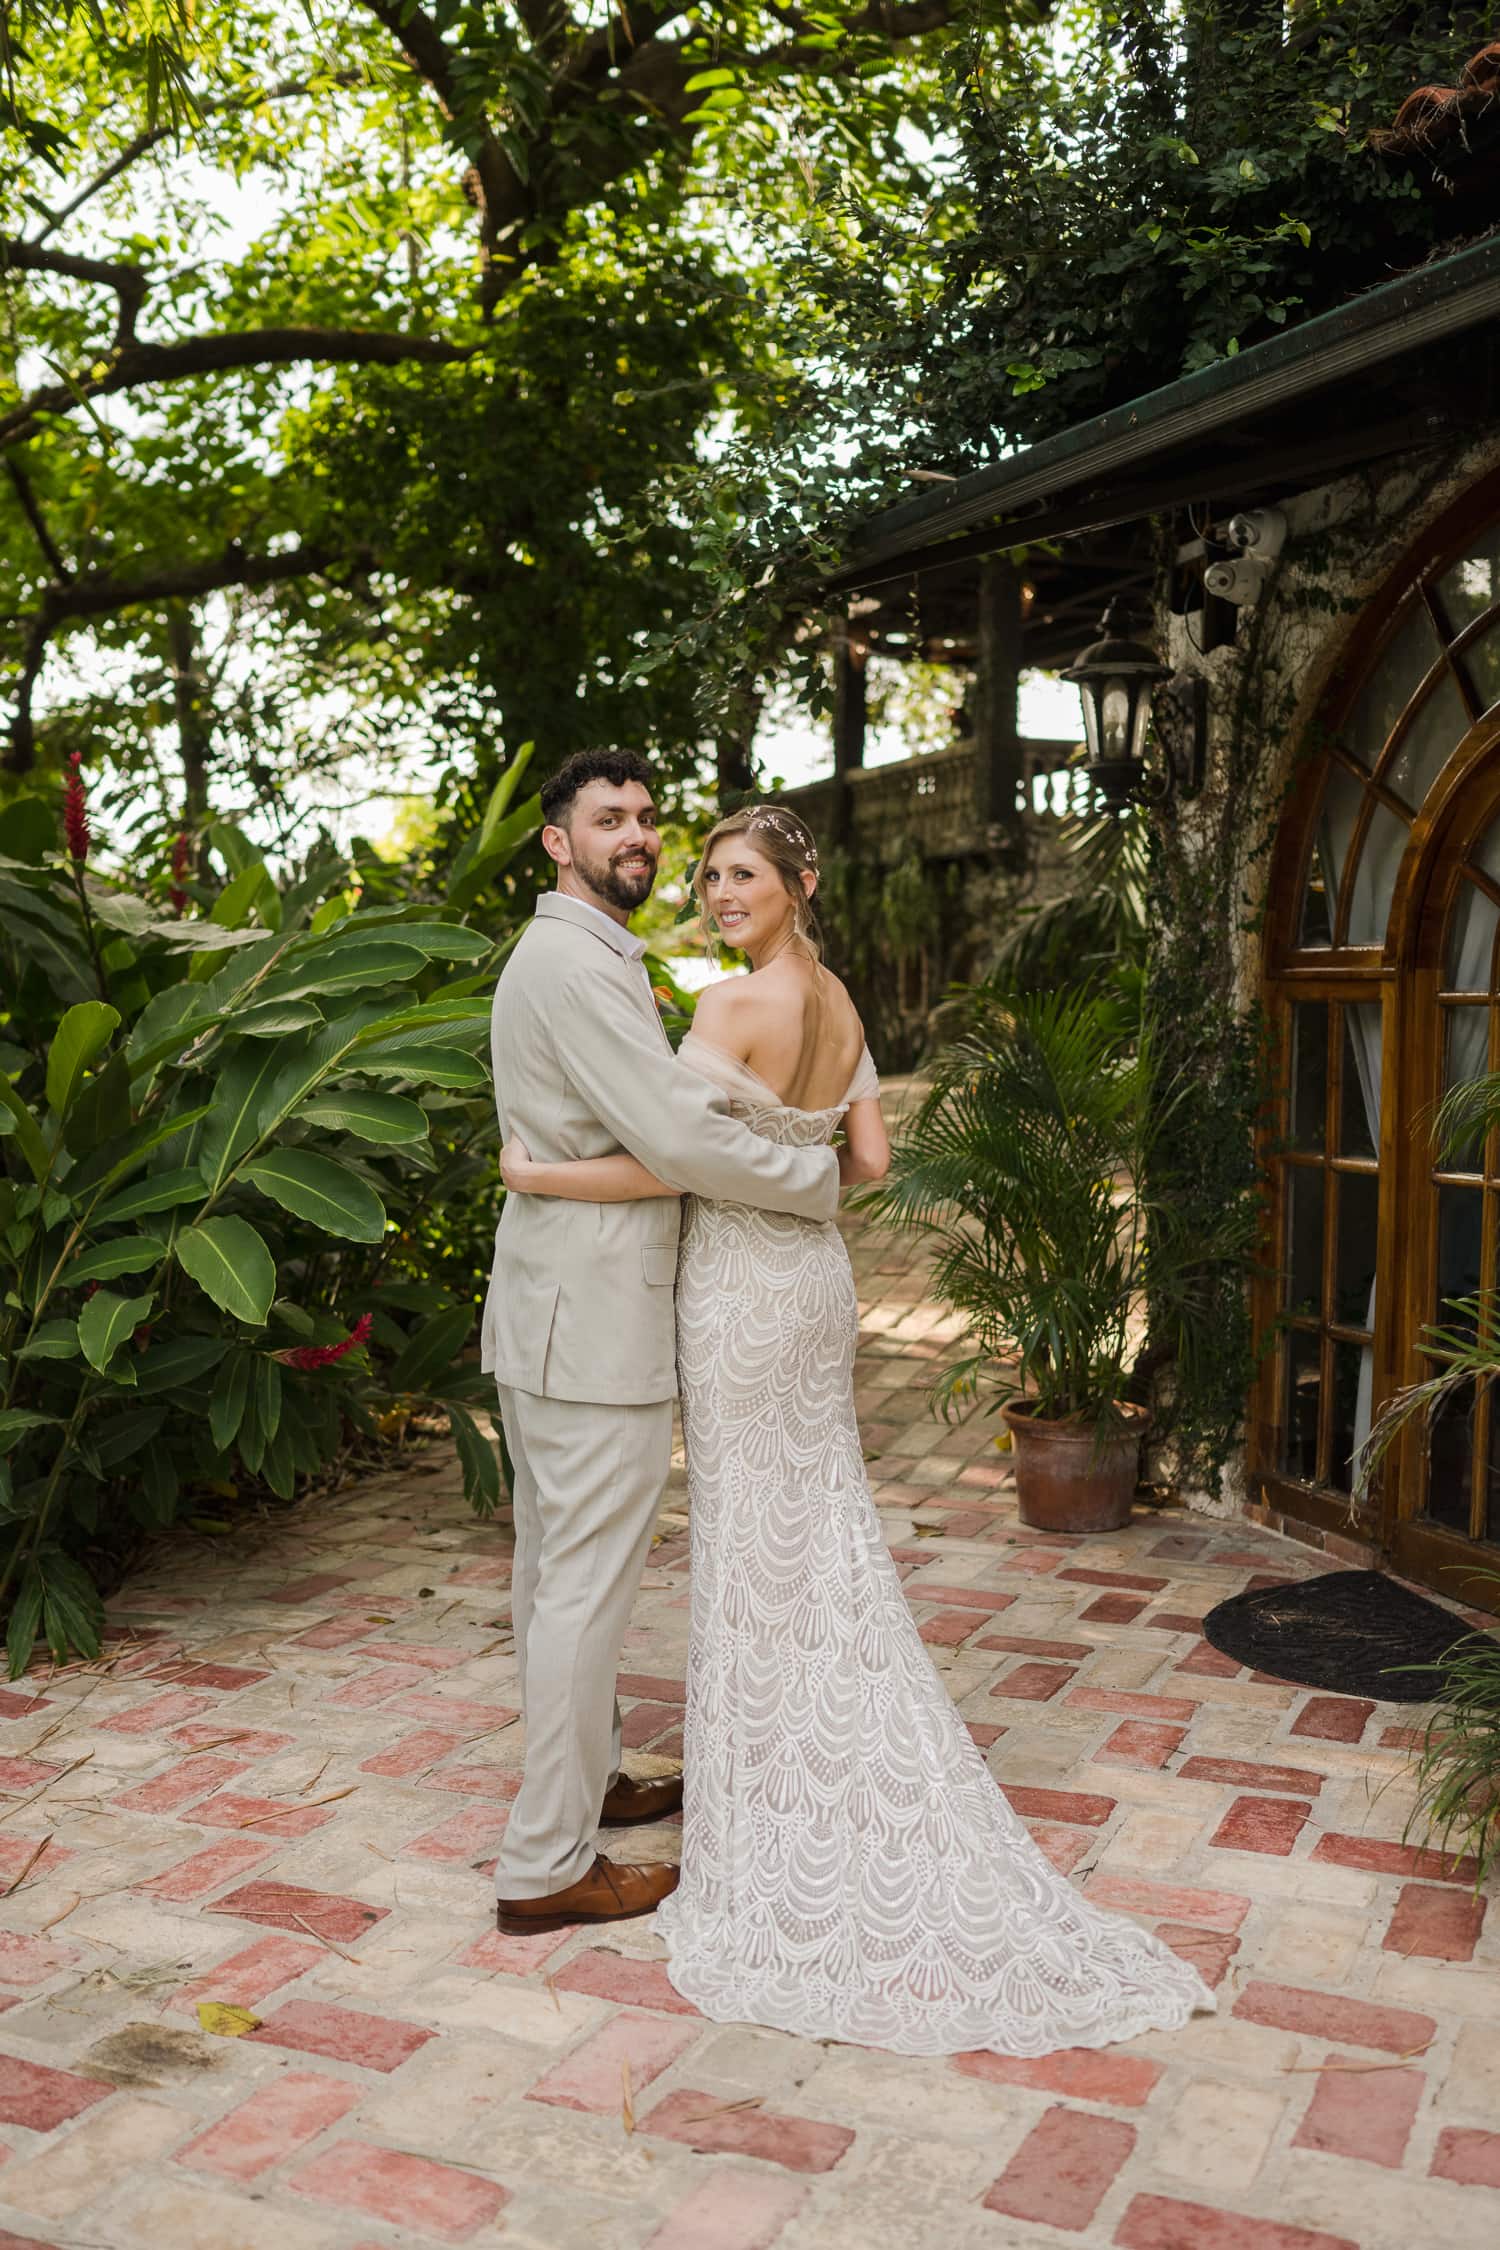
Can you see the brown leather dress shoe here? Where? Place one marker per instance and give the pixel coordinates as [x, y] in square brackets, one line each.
[632, 1803]
[609, 1892]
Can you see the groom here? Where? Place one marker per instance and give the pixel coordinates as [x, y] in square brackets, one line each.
[578, 1326]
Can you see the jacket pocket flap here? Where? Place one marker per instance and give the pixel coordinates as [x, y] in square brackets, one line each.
[659, 1263]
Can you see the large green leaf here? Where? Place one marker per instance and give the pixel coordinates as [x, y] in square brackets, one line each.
[118, 1436]
[55, 1339]
[102, 1109]
[476, 1458]
[133, 1253]
[440, 941]
[27, 1131]
[322, 969]
[112, 1162]
[15, 1421]
[386, 1118]
[231, 1264]
[508, 837]
[179, 1362]
[72, 1612]
[161, 1191]
[226, 1408]
[233, 1123]
[105, 1322]
[239, 898]
[432, 1348]
[421, 1064]
[25, 1618]
[269, 1019]
[321, 1190]
[83, 1031]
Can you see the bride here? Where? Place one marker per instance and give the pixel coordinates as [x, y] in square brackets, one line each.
[850, 1870]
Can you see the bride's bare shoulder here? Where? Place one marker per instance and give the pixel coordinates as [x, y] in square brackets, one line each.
[722, 1013]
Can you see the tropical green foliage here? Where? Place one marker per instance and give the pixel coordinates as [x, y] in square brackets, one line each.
[1128, 193]
[351, 344]
[247, 1186]
[1458, 1766]
[1024, 1165]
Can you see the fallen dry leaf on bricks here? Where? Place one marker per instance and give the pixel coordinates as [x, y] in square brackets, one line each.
[26, 1870]
[224, 2021]
[627, 2107]
[259, 1819]
[724, 2109]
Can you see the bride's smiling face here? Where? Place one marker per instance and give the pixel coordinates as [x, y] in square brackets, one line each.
[746, 897]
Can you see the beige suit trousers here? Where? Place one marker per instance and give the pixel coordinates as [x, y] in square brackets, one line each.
[587, 1482]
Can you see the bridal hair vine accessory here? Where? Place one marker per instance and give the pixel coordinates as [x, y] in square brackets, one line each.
[771, 818]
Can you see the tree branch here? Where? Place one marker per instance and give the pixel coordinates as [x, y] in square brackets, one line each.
[497, 186]
[128, 282]
[286, 89]
[31, 510]
[140, 365]
[100, 594]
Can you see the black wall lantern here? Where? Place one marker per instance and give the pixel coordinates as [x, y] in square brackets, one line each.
[1117, 678]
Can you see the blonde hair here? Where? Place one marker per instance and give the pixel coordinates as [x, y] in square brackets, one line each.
[787, 842]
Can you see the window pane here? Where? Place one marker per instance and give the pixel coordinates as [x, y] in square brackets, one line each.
[1374, 879]
[1359, 1112]
[1310, 1074]
[1466, 1047]
[1481, 660]
[1395, 680]
[1492, 1481]
[1299, 1415]
[1460, 1235]
[1342, 798]
[1354, 1278]
[1450, 1460]
[1468, 589]
[1317, 908]
[1351, 1412]
[1304, 1282]
[1471, 941]
[1428, 743]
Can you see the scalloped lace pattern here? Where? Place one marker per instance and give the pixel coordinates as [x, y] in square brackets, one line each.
[850, 1869]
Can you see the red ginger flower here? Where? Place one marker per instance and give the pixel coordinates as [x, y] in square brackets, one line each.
[182, 860]
[310, 1356]
[76, 811]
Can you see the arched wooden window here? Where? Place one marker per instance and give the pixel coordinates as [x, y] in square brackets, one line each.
[1383, 987]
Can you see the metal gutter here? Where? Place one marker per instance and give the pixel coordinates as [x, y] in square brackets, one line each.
[1422, 308]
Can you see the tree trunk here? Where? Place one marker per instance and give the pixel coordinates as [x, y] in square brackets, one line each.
[194, 719]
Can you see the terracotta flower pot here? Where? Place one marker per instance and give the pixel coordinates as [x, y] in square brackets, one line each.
[1070, 1479]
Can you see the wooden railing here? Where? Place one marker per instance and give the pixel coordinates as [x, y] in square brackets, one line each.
[931, 801]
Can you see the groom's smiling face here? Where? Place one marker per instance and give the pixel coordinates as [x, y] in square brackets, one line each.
[610, 841]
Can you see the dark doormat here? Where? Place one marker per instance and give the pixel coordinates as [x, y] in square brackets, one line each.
[1352, 1632]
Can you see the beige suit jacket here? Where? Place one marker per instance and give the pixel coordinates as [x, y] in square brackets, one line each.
[580, 1296]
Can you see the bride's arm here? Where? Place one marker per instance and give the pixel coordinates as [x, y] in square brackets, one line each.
[589, 1179]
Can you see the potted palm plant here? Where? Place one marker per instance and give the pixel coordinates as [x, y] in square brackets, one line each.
[1028, 1164]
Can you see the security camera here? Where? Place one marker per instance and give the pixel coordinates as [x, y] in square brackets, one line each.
[1257, 533]
[1239, 582]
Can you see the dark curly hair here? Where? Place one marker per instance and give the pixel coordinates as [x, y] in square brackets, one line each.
[584, 766]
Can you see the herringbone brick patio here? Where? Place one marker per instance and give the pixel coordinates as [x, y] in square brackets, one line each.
[281, 1792]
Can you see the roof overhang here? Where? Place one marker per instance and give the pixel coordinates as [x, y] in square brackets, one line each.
[1373, 377]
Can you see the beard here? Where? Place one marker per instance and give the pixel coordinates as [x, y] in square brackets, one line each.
[605, 880]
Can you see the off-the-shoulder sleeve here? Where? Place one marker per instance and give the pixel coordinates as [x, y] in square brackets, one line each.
[865, 1085]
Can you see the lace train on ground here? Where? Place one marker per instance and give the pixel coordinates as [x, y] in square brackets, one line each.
[850, 1868]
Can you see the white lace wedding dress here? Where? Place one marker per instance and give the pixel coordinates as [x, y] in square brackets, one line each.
[850, 1870]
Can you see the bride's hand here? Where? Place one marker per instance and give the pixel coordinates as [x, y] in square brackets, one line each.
[516, 1167]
